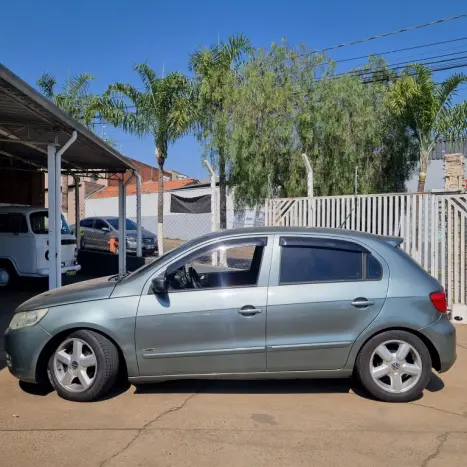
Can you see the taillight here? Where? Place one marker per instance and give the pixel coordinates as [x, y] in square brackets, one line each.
[439, 301]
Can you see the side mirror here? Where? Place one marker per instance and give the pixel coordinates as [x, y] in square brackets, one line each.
[159, 284]
[105, 229]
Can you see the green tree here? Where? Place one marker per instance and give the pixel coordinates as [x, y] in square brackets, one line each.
[286, 102]
[163, 110]
[214, 69]
[427, 110]
[74, 97]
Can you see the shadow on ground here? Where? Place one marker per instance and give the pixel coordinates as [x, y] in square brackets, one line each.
[283, 386]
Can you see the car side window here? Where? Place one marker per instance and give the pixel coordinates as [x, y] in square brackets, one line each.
[311, 264]
[322, 260]
[86, 223]
[374, 271]
[13, 223]
[100, 224]
[224, 265]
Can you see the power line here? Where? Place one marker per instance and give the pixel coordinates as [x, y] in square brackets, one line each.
[401, 50]
[422, 61]
[392, 33]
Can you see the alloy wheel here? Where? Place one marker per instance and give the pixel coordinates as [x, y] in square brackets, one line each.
[395, 366]
[75, 365]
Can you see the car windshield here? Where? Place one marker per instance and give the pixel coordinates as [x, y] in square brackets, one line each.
[40, 223]
[130, 225]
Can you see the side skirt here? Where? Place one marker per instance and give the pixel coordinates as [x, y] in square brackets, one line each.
[321, 374]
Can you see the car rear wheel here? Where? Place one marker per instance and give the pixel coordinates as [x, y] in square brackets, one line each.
[84, 366]
[394, 366]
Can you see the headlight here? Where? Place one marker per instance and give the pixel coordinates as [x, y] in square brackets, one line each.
[131, 239]
[27, 318]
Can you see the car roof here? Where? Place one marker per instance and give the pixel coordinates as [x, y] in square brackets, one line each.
[20, 208]
[344, 233]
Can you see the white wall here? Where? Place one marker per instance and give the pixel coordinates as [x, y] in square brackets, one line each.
[434, 177]
[179, 226]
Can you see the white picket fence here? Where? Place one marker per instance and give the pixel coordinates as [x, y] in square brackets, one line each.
[433, 227]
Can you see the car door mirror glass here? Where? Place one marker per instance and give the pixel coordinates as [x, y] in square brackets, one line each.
[159, 284]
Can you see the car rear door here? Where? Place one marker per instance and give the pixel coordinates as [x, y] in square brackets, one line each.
[323, 293]
[218, 328]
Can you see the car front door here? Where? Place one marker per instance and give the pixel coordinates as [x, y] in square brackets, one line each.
[212, 320]
[101, 234]
[86, 233]
[324, 292]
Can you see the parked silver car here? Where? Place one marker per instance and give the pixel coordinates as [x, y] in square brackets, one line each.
[96, 232]
[250, 303]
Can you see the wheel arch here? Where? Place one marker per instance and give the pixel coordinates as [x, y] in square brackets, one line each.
[435, 358]
[52, 344]
[6, 261]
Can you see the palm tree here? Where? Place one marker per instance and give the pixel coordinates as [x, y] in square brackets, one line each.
[162, 109]
[74, 97]
[213, 68]
[427, 110]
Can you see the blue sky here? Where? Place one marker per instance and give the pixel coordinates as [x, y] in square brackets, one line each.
[105, 38]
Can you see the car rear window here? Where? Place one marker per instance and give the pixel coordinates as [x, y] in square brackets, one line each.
[311, 264]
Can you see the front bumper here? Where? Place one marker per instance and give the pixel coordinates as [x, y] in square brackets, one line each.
[23, 347]
[146, 248]
[442, 334]
[45, 272]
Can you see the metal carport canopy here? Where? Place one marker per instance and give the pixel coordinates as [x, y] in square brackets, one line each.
[29, 117]
[34, 133]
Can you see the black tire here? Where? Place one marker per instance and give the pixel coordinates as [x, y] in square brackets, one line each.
[362, 367]
[107, 367]
[13, 276]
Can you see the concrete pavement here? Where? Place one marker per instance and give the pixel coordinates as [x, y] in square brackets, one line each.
[264, 423]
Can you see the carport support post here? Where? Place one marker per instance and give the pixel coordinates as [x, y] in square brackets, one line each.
[139, 238]
[77, 212]
[122, 225]
[54, 198]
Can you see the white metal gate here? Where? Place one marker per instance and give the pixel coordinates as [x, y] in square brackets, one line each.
[433, 227]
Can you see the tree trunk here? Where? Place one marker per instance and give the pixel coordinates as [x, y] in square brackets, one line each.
[422, 171]
[160, 209]
[222, 191]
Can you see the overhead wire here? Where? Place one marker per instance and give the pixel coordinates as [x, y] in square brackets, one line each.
[387, 34]
[405, 49]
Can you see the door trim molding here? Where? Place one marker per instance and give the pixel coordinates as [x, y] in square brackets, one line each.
[313, 346]
[150, 353]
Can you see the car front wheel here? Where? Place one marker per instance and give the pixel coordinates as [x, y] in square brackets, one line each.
[394, 366]
[84, 366]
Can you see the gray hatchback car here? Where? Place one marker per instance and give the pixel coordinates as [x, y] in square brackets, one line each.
[250, 303]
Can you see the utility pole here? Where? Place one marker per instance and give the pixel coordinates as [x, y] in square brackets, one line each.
[309, 172]
[356, 180]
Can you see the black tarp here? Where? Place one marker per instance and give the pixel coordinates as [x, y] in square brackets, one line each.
[196, 205]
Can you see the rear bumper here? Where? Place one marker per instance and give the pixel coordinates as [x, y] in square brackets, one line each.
[442, 334]
[23, 347]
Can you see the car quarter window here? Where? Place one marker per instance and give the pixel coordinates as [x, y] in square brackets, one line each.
[325, 260]
[223, 265]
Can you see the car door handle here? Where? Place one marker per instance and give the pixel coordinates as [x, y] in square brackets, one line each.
[249, 310]
[362, 302]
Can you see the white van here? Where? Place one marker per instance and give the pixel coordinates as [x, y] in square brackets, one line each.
[24, 243]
